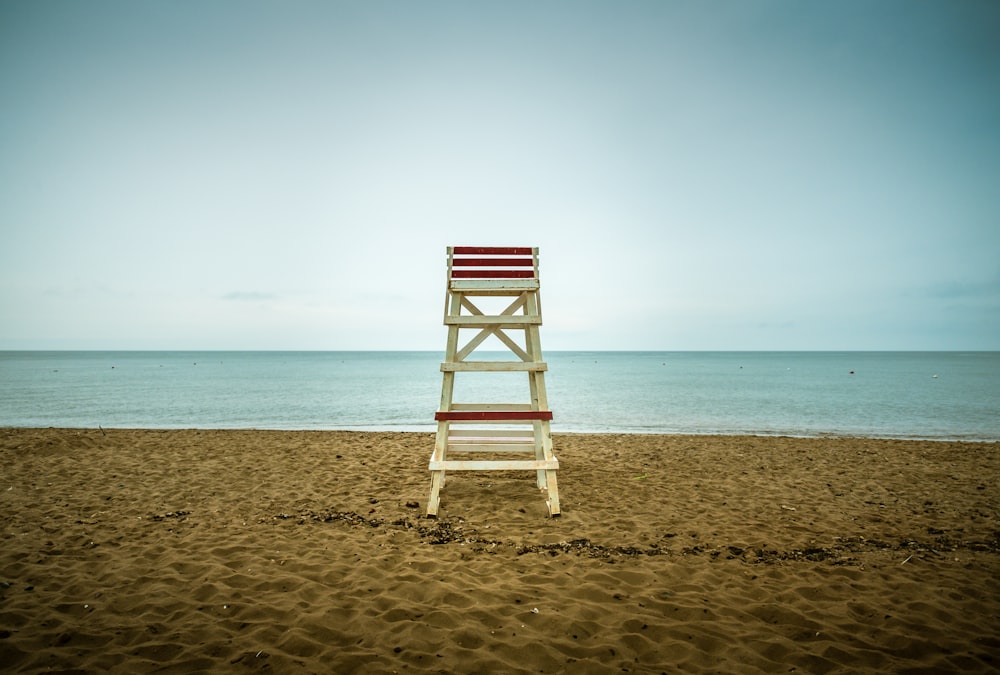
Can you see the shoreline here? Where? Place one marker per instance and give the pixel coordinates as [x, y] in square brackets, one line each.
[302, 551]
[555, 432]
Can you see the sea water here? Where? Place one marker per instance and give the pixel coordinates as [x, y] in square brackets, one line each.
[933, 395]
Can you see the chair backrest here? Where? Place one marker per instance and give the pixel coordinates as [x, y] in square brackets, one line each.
[492, 267]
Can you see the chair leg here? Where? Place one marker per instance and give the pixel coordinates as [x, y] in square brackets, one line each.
[553, 490]
[434, 502]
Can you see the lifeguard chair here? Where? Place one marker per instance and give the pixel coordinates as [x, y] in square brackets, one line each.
[500, 429]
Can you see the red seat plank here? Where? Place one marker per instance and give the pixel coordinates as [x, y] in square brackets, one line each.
[493, 415]
[492, 262]
[492, 274]
[492, 250]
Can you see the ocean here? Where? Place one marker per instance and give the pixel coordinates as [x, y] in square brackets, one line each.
[924, 395]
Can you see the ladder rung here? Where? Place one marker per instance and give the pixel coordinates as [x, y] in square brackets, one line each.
[467, 446]
[484, 437]
[483, 434]
[494, 465]
[502, 320]
[492, 415]
[491, 406]
[492, 366]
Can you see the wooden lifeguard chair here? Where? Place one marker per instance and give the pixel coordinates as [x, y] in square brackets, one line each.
[500, 429]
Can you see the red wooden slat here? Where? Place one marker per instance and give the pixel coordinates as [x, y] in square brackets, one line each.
[493, 415]
[493, 274]
[493, 262]
[492, 250]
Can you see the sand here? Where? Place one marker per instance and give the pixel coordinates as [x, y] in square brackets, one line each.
[226, 551]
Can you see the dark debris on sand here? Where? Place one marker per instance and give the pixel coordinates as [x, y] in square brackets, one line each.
[842, 552]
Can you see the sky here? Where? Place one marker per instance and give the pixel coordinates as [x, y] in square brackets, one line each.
[705, 175]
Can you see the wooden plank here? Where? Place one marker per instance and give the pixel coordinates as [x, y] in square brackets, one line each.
[491, 406]
[485, 434]
[492, 415]
[492, 447]
[493, 366]
[495, 423]
[495, 465]
[493, 274]
[478, 437]
[482, 285]
[492, 250]
[493, 262]
[500, 321]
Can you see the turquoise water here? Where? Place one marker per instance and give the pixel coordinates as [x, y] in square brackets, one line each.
[878, 394]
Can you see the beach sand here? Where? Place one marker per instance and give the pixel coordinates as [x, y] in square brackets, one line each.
[227, 551]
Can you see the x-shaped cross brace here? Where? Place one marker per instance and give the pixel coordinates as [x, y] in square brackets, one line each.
[494, 329]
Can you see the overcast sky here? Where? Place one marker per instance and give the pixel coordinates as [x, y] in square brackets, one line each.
[699, 175]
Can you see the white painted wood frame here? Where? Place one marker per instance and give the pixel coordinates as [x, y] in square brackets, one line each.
[500, 428]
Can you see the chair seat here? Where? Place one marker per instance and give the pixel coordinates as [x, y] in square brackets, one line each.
[493, 285]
